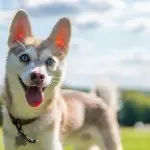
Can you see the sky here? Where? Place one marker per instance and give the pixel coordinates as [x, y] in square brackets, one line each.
[110, 38]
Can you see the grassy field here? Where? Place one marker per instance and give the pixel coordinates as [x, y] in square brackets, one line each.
[135, 139]
[1, 146]
[132, 139]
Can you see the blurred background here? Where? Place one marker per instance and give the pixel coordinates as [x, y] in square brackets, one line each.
[110, 38]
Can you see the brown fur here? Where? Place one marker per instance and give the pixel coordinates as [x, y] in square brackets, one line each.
[80, 110]
[38, 44]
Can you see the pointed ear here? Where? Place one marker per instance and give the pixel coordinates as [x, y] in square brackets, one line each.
[60, 37]
[20, 28]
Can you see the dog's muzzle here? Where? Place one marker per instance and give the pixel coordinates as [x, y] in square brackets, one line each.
[34, 93]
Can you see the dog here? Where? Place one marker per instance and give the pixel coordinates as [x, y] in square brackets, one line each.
[38, 114]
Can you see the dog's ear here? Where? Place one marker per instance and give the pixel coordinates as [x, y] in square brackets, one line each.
[60, 37]
[20, 28]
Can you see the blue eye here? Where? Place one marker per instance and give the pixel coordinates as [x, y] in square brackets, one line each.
[24, 58]
[50, 61]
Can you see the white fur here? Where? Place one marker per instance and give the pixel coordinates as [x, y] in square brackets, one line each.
[48, 139]
[24, 72]
[108, 91]
[33, 66]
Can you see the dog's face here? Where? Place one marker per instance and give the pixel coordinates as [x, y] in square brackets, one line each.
[37, 66]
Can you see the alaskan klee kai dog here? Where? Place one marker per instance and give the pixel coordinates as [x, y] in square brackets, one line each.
[38, 114]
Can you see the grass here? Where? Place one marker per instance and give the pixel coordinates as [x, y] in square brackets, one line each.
[1, 145]
[132, 139]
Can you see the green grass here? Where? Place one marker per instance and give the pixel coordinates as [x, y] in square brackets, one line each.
[132, 139]
[1, 145]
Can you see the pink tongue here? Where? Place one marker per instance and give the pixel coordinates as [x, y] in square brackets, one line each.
[34, 96]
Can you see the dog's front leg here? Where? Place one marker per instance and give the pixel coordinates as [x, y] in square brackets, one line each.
[49, 141]
[9, 142]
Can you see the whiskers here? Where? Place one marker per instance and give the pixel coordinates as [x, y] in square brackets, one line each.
[55, 81]
[21, 44]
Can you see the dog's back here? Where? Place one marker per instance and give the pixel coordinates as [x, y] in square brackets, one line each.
[91, 117]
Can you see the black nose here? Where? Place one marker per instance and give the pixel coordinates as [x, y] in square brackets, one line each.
[37, 77]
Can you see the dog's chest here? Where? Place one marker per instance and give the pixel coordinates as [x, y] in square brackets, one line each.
[13, 143]
[39, 129]
[27, 147]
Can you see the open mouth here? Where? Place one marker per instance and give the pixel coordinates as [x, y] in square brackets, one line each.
[25, 87]
[34, 94]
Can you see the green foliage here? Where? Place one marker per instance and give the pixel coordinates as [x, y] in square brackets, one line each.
[0, 115]
[69, 147]
[129, 114]
[136, 107]
[0, 112]
[142, 98]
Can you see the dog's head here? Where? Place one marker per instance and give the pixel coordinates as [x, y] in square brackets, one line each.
[35, 66]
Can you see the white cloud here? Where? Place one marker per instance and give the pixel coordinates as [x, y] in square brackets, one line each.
[108, 19]
[113, 3]
[38, 2]
[117, 3]
[138, 24]
[127, 67]
[83, 19]
[142, 6]
[6, 16]
[35, 3]
[93, 8]
[100, 19]
[87, 16]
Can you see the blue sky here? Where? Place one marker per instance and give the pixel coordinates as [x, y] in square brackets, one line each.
[109, 37]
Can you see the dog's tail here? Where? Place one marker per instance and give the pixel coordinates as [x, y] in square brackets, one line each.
[108, 92]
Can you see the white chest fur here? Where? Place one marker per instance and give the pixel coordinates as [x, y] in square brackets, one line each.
[47, 141]
[40, 129]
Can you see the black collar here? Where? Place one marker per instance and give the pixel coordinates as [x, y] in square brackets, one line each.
[23, 121]
[18, 123]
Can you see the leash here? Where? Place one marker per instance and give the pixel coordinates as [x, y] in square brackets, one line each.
[21, 135]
